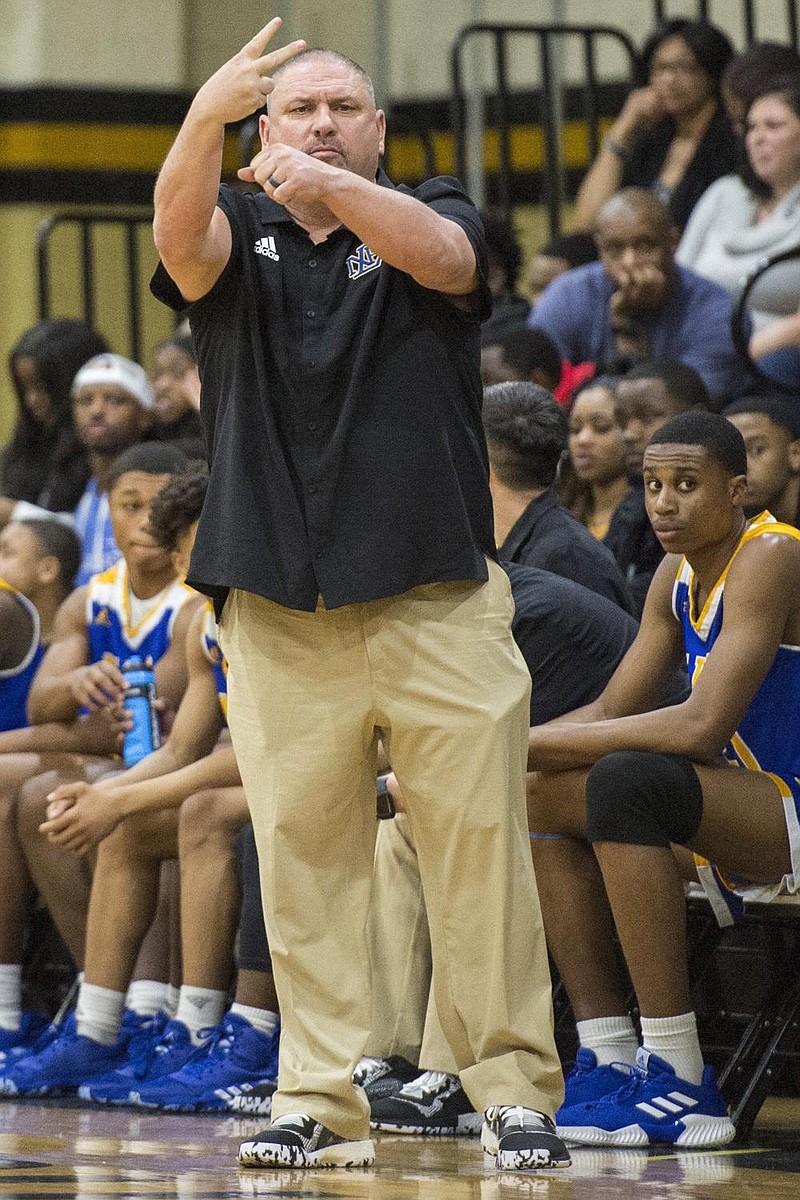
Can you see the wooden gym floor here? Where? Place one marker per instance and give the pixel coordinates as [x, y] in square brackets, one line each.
[58, 1150]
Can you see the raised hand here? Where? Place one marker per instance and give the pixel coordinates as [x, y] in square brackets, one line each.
[241, 85]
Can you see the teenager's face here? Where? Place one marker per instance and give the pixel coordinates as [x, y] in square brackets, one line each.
[107, 418]
[129, 503]
[595, 440]
[773, 459]
[692, 501]
[20, 558]
[35, 396]
[183, 550]
[643, 405]
[170, 397]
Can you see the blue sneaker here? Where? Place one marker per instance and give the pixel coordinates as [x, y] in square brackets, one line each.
[235, 1053]
[115, 1086]
[173, 1050]
[653, 1106]
[32, 1025]
[588, 1081]
[166, 1049]
[62, 1066]
[47, 1035]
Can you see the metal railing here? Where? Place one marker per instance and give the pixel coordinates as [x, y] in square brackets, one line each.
[86, 225]
[548, 41]
[750, 11]
[739, 331]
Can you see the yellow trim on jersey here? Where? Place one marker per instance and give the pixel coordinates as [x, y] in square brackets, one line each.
[130, 631]
[763, 523]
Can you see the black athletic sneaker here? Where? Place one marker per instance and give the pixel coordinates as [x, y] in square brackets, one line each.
[521, 1139]
[296, 1140]
[249, 1099]
[433, 1105]
[381, 1077]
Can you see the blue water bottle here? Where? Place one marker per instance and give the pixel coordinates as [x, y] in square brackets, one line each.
[140, 693]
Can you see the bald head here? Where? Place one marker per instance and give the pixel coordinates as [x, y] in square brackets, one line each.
[639, 205]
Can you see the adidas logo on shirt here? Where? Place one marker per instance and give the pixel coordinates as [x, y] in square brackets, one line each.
[266, 246]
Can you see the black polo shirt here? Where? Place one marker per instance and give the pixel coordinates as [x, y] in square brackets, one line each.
[571, 638]
[341, 410]
[548, 536]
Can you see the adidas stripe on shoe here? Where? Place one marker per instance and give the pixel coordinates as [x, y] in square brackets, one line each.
[297, 1140]
[654, 1106]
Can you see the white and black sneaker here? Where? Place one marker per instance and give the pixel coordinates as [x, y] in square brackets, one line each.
[521, 1139]
[249, 1099]
[432, 1105]
[297, 1140]
[381, 1077]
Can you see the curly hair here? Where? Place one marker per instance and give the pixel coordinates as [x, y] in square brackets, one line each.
[179, 504]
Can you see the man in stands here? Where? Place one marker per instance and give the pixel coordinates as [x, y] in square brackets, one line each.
[637, 303]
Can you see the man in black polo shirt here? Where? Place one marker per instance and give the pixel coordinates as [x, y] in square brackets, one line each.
[347, 542]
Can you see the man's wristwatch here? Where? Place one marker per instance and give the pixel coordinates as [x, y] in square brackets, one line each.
[386, 808]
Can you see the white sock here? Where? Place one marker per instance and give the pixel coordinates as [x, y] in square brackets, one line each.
[262, 1019]
[675, 1040]
[200, 1008]
[98, 1013]
[171, 1002]
[146, 997]
[613, 1039]
[10, 996]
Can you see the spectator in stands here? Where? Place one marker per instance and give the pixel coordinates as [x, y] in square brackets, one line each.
[558, 256]
[112, 406]
[617, 785]
[176, 391]
[529, 354]
[747, 73]
[672, 135]
[647, 397]
[593, 480]
[526, 433]
[44, 463]
[504, 259]
[38, 563]
[770, 426]
[738, 223]
[637, 302]
[183, 801]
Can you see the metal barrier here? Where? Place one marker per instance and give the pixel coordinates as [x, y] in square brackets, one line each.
[548, 39]
[86, 223]
[749, 12]
[740, 310]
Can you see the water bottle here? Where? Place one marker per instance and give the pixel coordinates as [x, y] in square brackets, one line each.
[140, 692]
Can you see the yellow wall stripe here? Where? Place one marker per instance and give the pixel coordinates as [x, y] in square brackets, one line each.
[73, 146]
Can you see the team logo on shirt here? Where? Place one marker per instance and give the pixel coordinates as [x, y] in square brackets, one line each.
[266, 246]
[102, 616]
[362, 262]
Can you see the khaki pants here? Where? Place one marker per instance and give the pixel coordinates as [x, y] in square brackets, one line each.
[404, 1016]
[436, 674]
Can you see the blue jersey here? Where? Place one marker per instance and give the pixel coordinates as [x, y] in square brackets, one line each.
[767, 736]
[211, 648]
[93, 526]
[15, 682]
[109, 622]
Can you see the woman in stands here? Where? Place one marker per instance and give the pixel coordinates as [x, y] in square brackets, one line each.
[44, 463]
[593, 479]
[672, 135]
[743, 219]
